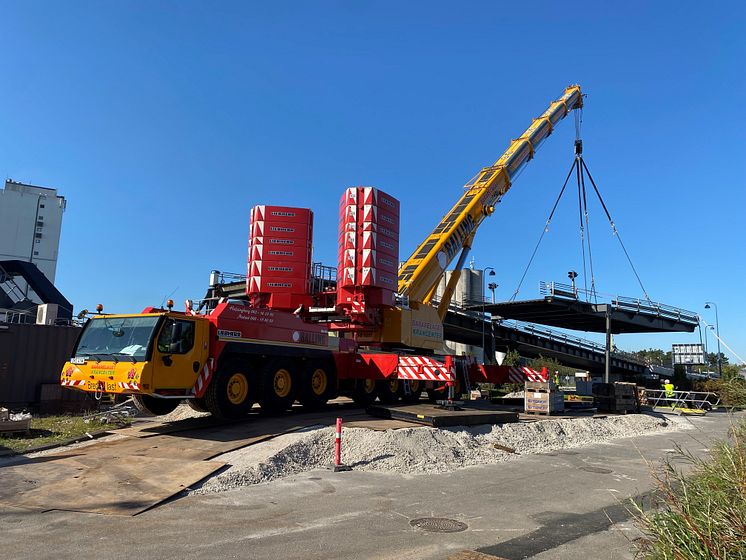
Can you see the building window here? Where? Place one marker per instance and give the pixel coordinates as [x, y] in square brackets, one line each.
[38, 240]
[41, 206]
[37, 235]
[36, 253]
[40, 218]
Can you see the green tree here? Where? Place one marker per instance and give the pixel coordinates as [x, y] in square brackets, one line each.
[654, 356]
[512, 358]
[680, 381]
[712, 359]
[552, 365]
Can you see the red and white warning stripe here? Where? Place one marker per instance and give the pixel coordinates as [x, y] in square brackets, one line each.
[423, 368]
[523, 374]
[203, 378]
[72, 382]
[130, 385]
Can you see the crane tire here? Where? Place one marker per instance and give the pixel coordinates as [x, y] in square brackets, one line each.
[231, 392]
[317, 382]
[364, 392]
[389, 390]
[415, 391]
[279, 385]
[153, 406]
[197, 404]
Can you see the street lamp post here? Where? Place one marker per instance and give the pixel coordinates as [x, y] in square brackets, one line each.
[717, 332]
[491, 273]
[492, 286]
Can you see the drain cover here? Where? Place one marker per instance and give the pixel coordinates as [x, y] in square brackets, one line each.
[438, 524]
[599, 470]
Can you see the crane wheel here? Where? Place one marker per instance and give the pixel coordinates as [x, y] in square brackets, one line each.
[317, 383]
[279, 383]
[197, 404]
[154, 406]
[364, 392]
[415, 391]
[389, 390]
[231, 392]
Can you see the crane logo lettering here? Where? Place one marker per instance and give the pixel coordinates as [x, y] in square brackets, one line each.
[456, 240]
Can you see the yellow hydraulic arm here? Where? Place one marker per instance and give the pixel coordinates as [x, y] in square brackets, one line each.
[421, 273]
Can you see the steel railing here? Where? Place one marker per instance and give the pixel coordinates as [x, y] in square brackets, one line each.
[699, 400]
[17, 317]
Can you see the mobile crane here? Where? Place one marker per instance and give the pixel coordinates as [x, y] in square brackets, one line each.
[377, 334]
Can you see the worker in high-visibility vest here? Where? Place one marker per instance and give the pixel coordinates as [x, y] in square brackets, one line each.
[668, 388]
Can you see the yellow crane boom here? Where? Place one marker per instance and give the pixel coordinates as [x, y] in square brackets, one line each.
[420, 274]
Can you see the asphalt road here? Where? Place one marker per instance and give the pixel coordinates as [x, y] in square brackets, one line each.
[560, 505]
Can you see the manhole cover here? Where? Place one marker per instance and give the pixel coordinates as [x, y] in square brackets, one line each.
[599, 470]
[438, 525]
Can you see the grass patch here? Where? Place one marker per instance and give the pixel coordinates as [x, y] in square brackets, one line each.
[702, 515]
[50, 429]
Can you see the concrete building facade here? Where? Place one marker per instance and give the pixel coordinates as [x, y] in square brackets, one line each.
[30, 225]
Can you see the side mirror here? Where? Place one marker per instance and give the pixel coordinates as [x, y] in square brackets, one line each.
[167, 360]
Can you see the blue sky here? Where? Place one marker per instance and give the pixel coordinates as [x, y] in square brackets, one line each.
[162, 123]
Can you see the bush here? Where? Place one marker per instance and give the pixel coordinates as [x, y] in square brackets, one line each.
[702, 516]
[732, 391]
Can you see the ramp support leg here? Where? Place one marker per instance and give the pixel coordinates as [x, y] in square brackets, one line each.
[607, 366]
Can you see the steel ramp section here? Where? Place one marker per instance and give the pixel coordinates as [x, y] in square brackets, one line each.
[92, 483]
[130, 475]
[436, 417]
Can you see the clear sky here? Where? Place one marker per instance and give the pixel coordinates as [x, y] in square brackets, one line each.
[163, 123]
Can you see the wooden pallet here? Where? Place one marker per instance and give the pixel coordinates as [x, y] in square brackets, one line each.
[14, 426]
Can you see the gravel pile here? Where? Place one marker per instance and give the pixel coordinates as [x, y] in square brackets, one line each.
[421, 450]
[182, 412]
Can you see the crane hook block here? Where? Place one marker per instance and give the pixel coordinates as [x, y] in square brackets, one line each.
[578, 147]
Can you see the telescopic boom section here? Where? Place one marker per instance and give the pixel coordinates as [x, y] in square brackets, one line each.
[421, 273]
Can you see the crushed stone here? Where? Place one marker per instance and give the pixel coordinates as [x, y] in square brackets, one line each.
[422, 450]
[182, 412]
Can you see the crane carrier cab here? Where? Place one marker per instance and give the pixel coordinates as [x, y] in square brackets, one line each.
[156, 356]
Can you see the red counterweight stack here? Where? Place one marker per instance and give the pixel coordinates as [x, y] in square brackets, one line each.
[279, 264]
[367, 272]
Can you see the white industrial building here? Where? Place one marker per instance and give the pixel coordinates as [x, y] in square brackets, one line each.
[30, 225]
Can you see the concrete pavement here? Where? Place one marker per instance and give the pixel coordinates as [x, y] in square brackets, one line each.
[557, 505]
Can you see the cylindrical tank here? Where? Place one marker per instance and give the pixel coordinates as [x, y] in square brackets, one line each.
[470, 289]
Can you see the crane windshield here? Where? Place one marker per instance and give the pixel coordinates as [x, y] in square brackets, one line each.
[114, 337]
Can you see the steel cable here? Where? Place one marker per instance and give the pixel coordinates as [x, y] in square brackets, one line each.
[544, 231]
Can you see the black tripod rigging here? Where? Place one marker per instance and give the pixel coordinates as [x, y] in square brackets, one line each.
[580, 169]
